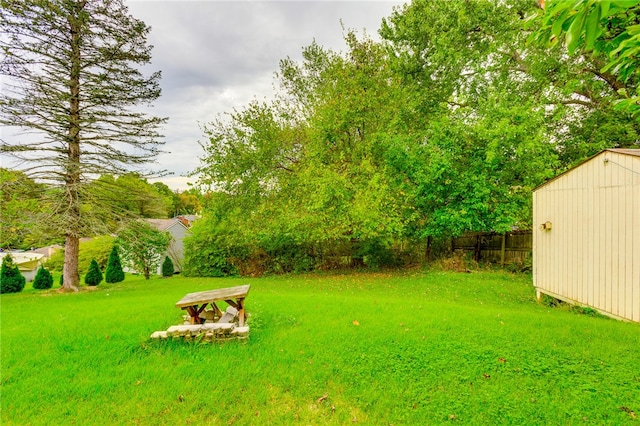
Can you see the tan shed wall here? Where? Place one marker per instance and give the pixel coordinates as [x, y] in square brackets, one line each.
[591, 255]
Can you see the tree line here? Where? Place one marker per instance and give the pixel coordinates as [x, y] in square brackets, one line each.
[444, 126]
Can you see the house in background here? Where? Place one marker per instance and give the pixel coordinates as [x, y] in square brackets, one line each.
[48, 251]
[178, 227]
[586, 236]
[27, 262]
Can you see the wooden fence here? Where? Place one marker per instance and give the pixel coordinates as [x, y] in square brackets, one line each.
[510, 247]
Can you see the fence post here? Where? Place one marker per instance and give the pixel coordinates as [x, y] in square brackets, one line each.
[503, 248]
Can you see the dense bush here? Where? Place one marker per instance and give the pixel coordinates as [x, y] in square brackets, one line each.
[43, 279]
[114, 272]
[376, 253]
[211, 251]
[94, 276]
[11, 280]
[214, 249]
[167, 267]
[285, 256]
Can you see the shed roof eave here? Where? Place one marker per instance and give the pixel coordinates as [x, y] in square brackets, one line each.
[624, 151]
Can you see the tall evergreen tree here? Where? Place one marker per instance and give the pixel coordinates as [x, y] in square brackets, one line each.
[114, 272]
[73, 84]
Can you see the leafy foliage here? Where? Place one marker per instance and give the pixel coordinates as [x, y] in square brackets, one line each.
[167, 267]
[43, 279]
[11, 280]
[114, 272]
[609, 30]
[94, 275]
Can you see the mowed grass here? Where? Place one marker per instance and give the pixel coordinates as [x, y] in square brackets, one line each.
[380, 349]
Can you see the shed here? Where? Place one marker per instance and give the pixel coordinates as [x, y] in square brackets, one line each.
[586, 237]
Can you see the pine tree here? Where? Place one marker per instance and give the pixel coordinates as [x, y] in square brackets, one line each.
[94, 275]
[114, 272]
[167, 267]
[11, 280]
[72, 81]
[43, 279]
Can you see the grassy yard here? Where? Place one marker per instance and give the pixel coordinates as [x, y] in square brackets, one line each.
[379, 349]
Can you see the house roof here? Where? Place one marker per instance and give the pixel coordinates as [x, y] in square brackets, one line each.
[26, 261]
[164, 224]
[624, 151]
[187, 219]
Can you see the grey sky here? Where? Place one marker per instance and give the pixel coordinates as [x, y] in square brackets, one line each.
[217, 55]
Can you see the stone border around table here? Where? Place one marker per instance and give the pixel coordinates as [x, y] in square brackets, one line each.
[207, 332]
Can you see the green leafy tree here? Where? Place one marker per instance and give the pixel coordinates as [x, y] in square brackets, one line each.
[72, 81]
[609, 30]
[11, 280]
[307, 169]
[488, 115]
[187, 202]
[167, 267]
[43, 279]
[94, 275]
[114, 272]
[142, 246]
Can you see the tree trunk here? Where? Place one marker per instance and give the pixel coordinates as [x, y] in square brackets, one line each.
[478, 248]
[71, 278]
[427, 252]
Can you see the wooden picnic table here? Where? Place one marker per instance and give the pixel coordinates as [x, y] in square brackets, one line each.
[195, 303]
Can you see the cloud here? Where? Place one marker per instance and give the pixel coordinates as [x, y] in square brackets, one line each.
[219, 55]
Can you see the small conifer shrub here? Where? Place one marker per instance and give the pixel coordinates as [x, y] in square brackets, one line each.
[167, 267]
[114, 272]
[94, 275]
[11, 280]
[43, 279]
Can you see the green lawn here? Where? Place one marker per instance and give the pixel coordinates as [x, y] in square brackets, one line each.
[379, 349]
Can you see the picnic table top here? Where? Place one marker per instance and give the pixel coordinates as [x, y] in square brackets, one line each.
[209, 296]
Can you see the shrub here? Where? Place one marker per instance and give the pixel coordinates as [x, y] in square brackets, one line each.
[11, 280]
[211, 251]
[114, 272]
[43, 279]
[167, 267]
[94, 276]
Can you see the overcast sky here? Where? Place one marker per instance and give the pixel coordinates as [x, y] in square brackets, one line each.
[216, 55]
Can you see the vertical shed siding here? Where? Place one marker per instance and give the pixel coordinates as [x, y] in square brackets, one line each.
[592, 253]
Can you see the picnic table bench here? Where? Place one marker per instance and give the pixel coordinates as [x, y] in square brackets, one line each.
[195, 303]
